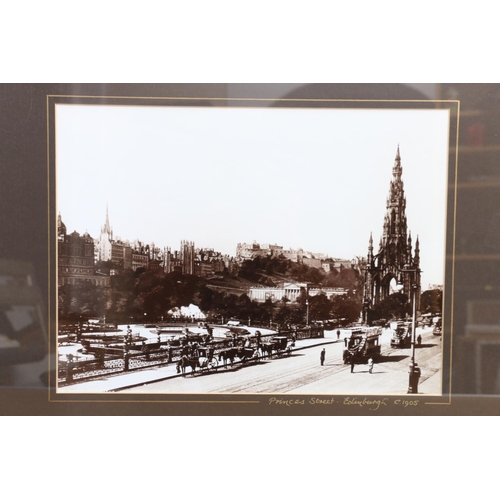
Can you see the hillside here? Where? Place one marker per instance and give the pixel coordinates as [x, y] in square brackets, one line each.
[238, 285]
[144, 294]
[274, 272]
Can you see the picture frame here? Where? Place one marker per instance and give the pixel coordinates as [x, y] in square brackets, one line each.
[453, 398]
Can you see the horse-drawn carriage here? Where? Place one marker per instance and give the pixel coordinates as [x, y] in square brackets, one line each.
[283, 347]
[203, 358]
[243, 354]
[278, 345]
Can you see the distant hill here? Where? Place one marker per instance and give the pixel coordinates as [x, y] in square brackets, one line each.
[274, 272]
[238, 285]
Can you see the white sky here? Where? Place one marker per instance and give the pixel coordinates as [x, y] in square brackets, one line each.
[315, 179]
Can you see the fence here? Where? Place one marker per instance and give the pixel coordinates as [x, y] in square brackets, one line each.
[308, 332]
[127, 357]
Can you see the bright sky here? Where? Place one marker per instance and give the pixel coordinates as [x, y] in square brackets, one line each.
[315, 179]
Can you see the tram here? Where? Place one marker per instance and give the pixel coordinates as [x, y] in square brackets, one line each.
[401, 334]
[363, 344]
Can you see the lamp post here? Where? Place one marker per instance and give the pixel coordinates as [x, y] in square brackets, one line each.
[414, 370]
[307, 303]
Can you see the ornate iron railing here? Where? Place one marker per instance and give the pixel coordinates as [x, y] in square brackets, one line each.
[109, 361]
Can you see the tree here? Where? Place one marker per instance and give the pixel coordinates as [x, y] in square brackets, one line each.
[393, 307]
[431, 301]
[205, 298]
[319, 307]
[314, 275]
[331, 278]
[346, 308]
[81, 298]
[284, 300]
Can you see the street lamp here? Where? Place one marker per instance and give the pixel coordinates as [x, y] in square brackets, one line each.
[414, 371]
[307, 303]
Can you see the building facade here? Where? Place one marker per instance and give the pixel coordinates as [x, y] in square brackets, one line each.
[75, 258]
[291, 291]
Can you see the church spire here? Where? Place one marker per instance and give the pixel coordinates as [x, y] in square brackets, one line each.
[107, 228]
[107, 216]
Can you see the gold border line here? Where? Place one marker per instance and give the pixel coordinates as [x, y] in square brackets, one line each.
[248, 99]
[49, 308]
[486, 256]
[452, 265]
[239, 99]
[150, 401]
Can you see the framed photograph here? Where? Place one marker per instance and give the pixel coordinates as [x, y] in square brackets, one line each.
[283, 255]
[238, 249]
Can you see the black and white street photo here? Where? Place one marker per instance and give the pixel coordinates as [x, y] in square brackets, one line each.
[285, 250]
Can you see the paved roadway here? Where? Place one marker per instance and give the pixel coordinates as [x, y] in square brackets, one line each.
[301, 373]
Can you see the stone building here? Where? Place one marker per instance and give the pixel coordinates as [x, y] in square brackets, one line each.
[208, 262]
[187, 257]
[291, 291]
[139, 259]
[395, 260]
[105, 241]
[121, 254]
[75, 258]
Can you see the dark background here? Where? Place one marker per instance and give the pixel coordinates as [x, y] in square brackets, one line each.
[24, 192]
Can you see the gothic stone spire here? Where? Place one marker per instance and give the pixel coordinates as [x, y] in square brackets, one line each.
[396, 228]
[395, 251]
[107, 228]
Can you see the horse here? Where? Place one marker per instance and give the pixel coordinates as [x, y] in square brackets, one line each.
[248, 353]
[268, 348]
[185, 362]
[228, 355]
[349, 355]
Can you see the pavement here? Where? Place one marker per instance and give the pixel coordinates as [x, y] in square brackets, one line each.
[111, 383]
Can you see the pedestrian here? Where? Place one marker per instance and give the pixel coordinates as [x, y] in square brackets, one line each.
[338, 334]
[322, 356]
[352, 364]
[370, 365]
[419, 339]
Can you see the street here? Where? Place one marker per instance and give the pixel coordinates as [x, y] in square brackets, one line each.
[301, 373]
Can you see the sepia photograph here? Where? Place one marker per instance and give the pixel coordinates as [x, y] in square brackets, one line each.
[275, 249]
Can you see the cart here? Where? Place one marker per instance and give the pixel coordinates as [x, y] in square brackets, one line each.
[206, 359]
